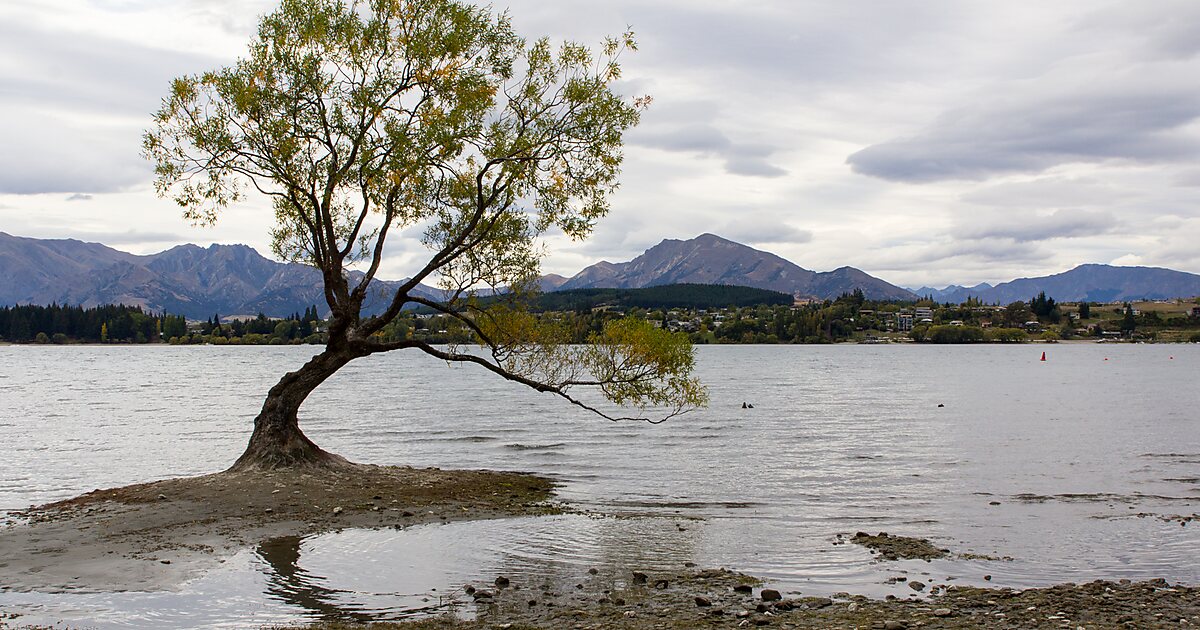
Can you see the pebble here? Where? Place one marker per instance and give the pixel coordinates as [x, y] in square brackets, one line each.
[895, 625]
[916, 585]
[502, 581]
[743, 588]
[337, 510]
[703, 602]
[770, 595]
[639, 577]
[942, 612]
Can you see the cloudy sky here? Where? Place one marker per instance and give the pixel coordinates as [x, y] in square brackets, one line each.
[925, 142]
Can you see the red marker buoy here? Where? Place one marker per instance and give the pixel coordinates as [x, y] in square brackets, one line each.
[1043, 356]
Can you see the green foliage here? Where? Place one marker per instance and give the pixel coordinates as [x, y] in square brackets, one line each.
[60, 324]
[1045, 308]
[1005, 335]
[1128, 321]
[950, 334]
[1016, 314]
[639, 364]
[1085, 310]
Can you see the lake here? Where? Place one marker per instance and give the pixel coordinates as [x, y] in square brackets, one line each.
[983, 449]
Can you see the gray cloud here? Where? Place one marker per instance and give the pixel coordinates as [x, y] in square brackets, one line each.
[80, 197]
[1025, 228]
[1170, 31]
[750, 159]
[995, 250]
[1028, 127]
[760, 229]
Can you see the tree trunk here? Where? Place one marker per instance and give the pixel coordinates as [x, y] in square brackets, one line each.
[277, 441]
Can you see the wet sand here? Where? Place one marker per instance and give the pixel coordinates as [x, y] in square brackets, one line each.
[157, 535]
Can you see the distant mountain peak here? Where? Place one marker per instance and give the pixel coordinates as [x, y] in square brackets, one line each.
[712, 259]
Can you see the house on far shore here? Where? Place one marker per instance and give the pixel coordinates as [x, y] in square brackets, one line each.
[1196, 311]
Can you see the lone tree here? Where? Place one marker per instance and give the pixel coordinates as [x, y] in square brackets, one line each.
[362, 119]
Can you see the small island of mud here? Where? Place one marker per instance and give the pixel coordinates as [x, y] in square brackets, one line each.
[155, 535]
[891, 547]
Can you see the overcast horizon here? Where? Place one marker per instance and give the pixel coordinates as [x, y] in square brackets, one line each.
[926, 143]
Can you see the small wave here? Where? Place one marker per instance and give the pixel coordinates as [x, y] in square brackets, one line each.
[1095, 497]
[535, 447]
[688, 504]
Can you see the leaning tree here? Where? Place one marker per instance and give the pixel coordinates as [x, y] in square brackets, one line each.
[362, 119]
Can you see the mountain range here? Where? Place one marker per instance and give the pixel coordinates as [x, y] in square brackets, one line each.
[190, 280]
[1092, 283]
[236, 280]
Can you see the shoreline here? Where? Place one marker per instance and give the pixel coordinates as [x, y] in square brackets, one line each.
[157, 535]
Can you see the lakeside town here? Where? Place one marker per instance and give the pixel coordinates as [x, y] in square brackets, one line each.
[850, 318]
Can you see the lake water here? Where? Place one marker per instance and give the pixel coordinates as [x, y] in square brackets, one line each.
[840, 439]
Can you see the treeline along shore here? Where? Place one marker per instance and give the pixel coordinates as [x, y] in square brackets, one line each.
[707, 314]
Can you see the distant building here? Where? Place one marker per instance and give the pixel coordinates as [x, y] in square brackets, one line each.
[904, 322]
[1196, 311]
[923, 313]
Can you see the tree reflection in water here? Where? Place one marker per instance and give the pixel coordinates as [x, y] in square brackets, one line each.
[291, 584]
